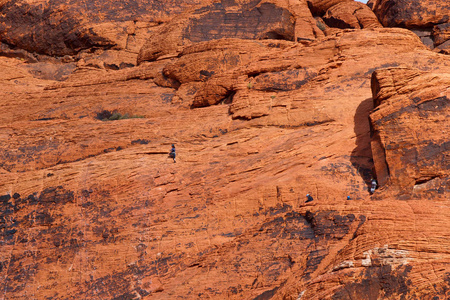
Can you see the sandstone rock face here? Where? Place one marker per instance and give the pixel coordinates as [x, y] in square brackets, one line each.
[228, 19]
[441, 33]
[319, 7]
[351, 15]
[68, 27]
[411, 14]
[91, 206]
[411, 111]
[429, 20]
[441, 37]
[254, 69]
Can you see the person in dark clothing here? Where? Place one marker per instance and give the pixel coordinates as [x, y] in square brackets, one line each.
[348, 198]
[374, 186]
[172, 153]
[309, 198]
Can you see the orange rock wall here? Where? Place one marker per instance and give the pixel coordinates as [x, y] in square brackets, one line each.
[92, 207]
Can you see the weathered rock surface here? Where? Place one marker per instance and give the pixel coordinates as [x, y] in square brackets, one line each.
[441, 33]
[441, 37]
[410, 130]
[59, 28]
[428, 19]
[351, 15]
[319, 7]
[270, 68]
[411, 14]
[253, 20]
[95, 208]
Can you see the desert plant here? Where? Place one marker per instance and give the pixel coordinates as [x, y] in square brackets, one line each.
[116, 116]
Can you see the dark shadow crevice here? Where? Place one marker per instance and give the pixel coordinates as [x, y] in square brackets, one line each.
[361, 157]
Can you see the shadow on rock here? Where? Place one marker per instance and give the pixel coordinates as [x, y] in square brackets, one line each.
[361, 157]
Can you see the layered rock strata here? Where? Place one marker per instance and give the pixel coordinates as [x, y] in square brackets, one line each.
[351, 15]
[91, 206]
[428, 19]
[59, 28]
[410, 130]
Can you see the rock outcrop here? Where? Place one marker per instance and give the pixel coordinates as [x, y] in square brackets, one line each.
[410, 132]
[59, 28]
[257, 69]
[91, 206]
[428, 19]
[441, 37]
[253, 20]
[351, 15]
[417, 14]
[319, 7]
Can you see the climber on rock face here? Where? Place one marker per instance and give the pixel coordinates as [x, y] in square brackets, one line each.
[172, 153]
[373, 186]
[309, 198]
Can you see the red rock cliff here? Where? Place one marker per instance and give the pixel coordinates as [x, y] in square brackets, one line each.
[265, 102]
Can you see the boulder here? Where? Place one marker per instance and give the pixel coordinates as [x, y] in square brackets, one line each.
[443, 48]
[307, 28]
[441, 34]
[411, 14]
[429, 20]
[351, 15]
[425, 35]
[319, 7]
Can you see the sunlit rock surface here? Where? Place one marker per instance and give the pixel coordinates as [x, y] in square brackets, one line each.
[91, 206]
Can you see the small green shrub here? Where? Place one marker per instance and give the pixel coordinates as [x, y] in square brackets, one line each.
[115, 116]
[136, 117]
[249, 85]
